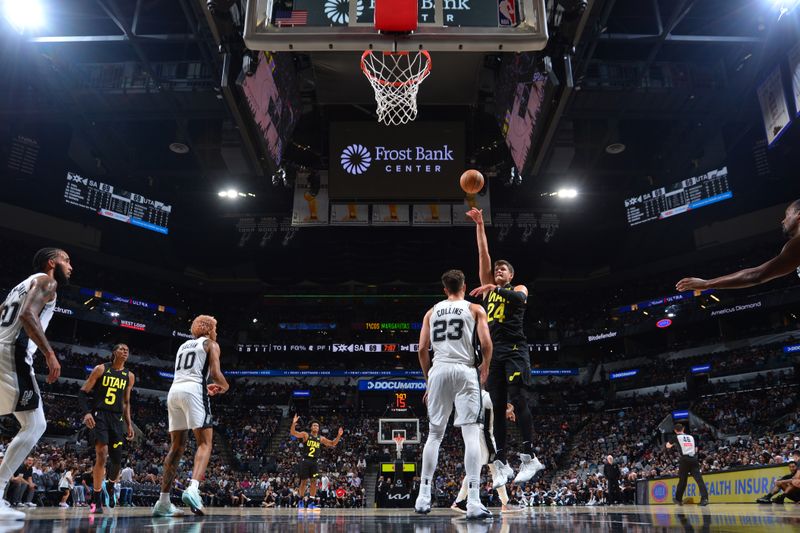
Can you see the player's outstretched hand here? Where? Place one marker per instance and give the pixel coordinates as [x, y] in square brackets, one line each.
[476, 215]
[483, 290]
[295, 419]
[214, 389]
[88, 419]
[691, 284]
[130, 434]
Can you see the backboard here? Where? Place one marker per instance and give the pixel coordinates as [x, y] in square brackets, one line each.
[444, 25]
[389, 428]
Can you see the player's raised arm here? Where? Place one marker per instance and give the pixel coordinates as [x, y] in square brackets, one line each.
[785, 263]
[293, 430]
[332, 443]
[484, 259]
[424, 345]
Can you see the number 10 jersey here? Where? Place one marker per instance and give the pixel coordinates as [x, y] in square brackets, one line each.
[191, 364]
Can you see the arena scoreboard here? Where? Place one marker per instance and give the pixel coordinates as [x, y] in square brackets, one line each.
[117, 204]
[680, 197]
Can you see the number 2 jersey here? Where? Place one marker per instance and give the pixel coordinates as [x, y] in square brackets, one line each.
[452, 333]
[191, 366]
[11, 331]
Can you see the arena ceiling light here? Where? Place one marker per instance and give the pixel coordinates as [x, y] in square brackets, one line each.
[784, 6]
[24, 15]
[233, 194]
[567, 194]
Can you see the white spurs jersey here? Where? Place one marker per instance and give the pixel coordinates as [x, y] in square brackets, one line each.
[452, 333]
[10, 323]
[191, 363]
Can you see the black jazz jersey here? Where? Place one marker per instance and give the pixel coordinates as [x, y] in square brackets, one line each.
[505, 319]
[110, 389]
[312, 448]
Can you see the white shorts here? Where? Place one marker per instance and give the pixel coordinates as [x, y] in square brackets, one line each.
[18, 388]
[454, 384]
[188, 407]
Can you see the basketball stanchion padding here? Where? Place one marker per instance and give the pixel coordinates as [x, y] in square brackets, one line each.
[395, 77]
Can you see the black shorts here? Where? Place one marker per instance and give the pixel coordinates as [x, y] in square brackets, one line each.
[109, 428]
[308, 470]
[511, 365]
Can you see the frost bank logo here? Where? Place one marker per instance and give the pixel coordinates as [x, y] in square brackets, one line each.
[338, 11]
[356, 159]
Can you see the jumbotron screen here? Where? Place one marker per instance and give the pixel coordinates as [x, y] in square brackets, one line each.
[117, 204]
[681, 197]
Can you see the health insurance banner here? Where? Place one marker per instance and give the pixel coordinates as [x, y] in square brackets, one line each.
[739, 486]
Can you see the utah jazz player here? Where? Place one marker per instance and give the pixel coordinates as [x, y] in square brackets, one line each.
[312, 444]
[110, 418]
[510, 377]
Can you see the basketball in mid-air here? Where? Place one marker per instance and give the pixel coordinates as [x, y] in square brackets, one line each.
[471, 181]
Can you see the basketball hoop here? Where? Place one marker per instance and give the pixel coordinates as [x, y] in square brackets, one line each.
[395, 77]
[398, 442]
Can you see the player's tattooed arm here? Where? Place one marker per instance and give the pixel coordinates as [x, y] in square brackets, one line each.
[42, 290]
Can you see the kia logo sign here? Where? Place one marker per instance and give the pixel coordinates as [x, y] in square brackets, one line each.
[399, 496]
[664, 323]
[355, 159]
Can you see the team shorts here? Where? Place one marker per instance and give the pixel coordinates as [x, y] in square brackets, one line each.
[308, 470]
[454, 384]
[109, 428]
[18, 388]
[511, 365]
[188, 408]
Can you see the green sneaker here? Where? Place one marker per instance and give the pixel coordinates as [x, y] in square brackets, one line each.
[191, 497]
[160, 509]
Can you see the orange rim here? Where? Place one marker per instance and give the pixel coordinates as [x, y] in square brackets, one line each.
[415, 80]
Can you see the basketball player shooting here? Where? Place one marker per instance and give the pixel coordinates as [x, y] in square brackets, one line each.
[786, 262]
[110, 420]
[24, 317]
[510, 379]
[454, 379]
[309, 469]
[188, 408]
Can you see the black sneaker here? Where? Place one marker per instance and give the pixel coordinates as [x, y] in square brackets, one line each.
[676, 501]
[703, 502]
[764, 499]
[779, 499]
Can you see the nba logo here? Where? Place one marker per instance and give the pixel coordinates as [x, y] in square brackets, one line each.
[507, 12]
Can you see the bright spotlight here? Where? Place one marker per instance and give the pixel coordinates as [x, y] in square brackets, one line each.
[222, 194]
[232, 193]
[23, 15]
[567, 193]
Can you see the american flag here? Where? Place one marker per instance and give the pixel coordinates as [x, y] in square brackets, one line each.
[291, 18]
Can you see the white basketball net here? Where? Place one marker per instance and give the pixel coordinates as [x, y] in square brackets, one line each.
[395, 77]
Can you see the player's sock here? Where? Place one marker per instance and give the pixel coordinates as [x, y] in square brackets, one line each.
[164, 498]
[462, 494]
[194, 484]
[472, 460]
[98, 498]
[430, 453]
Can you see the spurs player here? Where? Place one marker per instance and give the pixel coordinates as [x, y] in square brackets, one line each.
[453, 378]
[24, 316]
[197, 360]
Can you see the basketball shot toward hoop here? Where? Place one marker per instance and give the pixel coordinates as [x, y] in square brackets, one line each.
[471, 182]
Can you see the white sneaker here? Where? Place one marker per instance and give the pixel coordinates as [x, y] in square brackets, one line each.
[423, 503]
[64, 505]
[530, 466]
[502, 473]
[160, 509]
[30, 504]
[476, 511]
[8, 513]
